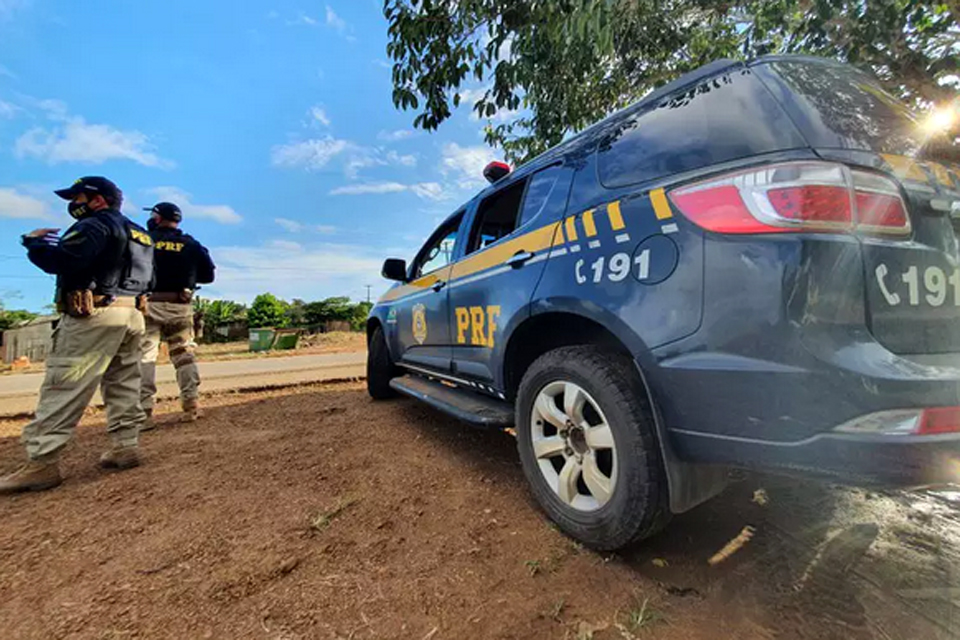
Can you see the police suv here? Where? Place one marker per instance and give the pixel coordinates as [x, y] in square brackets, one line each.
[755, 266]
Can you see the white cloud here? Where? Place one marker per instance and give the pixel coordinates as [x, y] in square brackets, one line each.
[470, 97]
[318, 153]
[298, 227]
[318, 114]
[465, 164]
[310, 154]
[304, 20]
[73, 139]
[396, 136]
[8, 110]
[221, 213]
[335, 21]
[370, 187]
[406, 160]
[14, 204]
[292, 270]
[285, 245]
[382, 63]
[289, 225]
[427, 190]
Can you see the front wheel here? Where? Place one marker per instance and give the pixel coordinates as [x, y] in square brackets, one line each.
[380, 368]
[587, 443]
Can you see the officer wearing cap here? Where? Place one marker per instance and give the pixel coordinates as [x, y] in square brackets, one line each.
[104, 265]
[181, 264]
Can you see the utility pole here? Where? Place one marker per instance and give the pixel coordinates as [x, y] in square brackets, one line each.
[368, 286]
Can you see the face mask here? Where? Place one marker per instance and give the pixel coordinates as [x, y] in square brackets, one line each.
[77, 209]
[152, 224]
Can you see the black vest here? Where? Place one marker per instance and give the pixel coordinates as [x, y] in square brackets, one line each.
[124, 266]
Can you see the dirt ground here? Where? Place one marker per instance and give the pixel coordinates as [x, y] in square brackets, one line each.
[316, 513]
[334, 342]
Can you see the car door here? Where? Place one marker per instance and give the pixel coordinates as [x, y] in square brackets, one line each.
[511, 235]
[421, 313]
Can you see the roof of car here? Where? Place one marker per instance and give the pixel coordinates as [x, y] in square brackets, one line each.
[595, 132]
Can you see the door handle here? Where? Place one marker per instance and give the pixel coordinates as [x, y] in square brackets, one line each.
[519, 259]
[440, 284]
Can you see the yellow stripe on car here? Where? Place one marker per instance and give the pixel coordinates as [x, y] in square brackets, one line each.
[660, 205]
[497, 254]
[589, 226]
[571, 229]
[616, 218]
[416, 286]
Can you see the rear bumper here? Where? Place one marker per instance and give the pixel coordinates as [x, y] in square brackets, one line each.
[895, 461]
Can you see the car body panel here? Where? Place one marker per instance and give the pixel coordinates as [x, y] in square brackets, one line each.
[753, 348]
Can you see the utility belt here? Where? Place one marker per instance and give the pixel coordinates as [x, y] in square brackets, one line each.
[181, 297]
[81, 303]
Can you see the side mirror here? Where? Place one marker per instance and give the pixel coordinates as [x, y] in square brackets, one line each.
[394, 269]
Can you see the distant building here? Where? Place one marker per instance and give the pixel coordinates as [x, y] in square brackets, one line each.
[32, 339]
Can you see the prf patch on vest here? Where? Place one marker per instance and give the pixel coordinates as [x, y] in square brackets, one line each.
[140, 237]
[166, 245]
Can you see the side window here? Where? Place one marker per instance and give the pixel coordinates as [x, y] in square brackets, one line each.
[438, 252]
[497, 216]
[542, 186]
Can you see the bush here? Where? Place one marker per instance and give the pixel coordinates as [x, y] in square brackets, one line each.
[267, 311]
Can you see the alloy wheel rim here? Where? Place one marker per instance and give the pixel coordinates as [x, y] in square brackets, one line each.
[574, 446]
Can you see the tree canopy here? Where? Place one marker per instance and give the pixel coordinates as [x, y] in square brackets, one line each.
[549, 68]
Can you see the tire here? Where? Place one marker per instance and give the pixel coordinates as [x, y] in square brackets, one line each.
[633, 502]
[380, 368]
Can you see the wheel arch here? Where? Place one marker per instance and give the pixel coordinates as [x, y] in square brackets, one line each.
[558, 325]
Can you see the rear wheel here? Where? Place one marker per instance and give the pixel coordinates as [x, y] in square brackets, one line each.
[588, 447]
[380, 368]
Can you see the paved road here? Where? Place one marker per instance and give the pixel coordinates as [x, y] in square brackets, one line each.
[18, 393]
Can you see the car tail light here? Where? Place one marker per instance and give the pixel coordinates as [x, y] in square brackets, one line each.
[939, 420]
[906, 422]
[796, 197]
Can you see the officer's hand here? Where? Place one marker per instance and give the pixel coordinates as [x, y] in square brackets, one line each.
[39, 233]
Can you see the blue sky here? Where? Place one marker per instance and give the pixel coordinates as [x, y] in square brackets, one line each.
[270, 124]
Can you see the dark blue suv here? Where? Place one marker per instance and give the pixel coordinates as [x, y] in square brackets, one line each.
[755, 266]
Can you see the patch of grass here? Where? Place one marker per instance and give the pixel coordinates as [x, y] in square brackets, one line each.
[534, 566]
[323, 519]
[641, 616]
[557, 609]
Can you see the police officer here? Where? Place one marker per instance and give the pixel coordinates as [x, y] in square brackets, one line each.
[103, 264]
[181, 263]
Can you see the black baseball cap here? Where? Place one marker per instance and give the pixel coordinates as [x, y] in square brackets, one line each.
[93, 186]
[167, 211]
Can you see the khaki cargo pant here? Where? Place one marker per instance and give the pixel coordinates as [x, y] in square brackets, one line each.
[171, 322]
[104, 350]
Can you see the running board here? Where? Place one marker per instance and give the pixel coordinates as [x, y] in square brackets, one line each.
[465, 405]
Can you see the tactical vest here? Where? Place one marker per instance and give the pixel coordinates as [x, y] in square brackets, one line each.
[126, 266]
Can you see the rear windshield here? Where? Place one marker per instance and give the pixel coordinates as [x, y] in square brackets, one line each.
[837, 106]
[726, 117]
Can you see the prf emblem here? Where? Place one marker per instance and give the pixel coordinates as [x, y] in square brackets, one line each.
[480, 322]
[420, 323]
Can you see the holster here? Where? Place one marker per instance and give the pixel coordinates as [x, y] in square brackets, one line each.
[76, 304]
